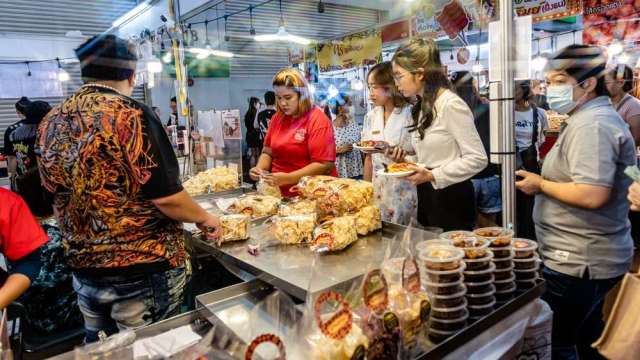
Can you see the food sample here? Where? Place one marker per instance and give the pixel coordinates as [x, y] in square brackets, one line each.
[438, 336]
[267, 189]
[344, 349]
[498, 236]
[456, 234]
[255, 206]
[335, 234]
[368, 220]
[422, 245]
[503, 264]
[524, 248]
[293, 229]
[473, 247]
[298, 207]
[234, 228]
[401, 167]
[481, 263]
[441, 257]
[502, 252]
[444, 289]
[216, 179]
[371, 143]
[503, 274]
[505, 285]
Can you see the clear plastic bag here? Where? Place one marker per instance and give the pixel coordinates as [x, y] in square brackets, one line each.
[368, 219]
[294, 229]
[256, 206]
[264, 188]
[335, 234]
[116, 347]
[298, 206]
[235, 227]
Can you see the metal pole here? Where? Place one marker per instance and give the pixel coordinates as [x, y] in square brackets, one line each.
[507, 86]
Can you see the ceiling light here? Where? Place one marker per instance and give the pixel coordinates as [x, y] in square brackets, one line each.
[167, 57]
[154, 66]
[283, 35]
[221, 53]
[202, 55]
[615, 49]
[332, 91]
[357, 84]
[63, 75]
[139, 9]
[538, 63]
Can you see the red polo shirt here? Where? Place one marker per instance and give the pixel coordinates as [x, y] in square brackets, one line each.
[297, 142]
[20, 233]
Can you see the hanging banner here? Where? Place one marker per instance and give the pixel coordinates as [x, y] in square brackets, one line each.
[360, 49]
[606, 21]
[398, 30]
[455, 15]
[296, 55]
[544, 10]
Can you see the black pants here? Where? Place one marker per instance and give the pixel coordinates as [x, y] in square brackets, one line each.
[524, 216]
[577, 313]
[451, 208]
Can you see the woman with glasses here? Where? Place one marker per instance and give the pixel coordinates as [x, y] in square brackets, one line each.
[388, 122]
[443, 136]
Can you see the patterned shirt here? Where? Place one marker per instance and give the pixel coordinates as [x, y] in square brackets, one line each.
[348, 164]
[104, 156]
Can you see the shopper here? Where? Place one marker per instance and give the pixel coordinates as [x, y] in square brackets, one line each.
[530, 124]
[265, 115]
[539, 98]
[252, 135]
[21, 107]
[117, 195]
[348, 160]
[486, 183]
[388, 121]
[300, 138]
[581, 208]
[21, 142]
[444, 137]
[619, 83]
[173, 118]
[21, 239]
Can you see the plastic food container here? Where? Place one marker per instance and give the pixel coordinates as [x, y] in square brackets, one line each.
[444, 288]
[479, 275]
[503, 274]
[456, 234]
[524, 248]
[481, 299]
[449, 324]
[449, 301]
[503, 263]
[444, 276]
[449, 313]
[482, 263]
[473, 247]
[422, 245]
[438, 336]
[504, 285]
[498, 236]
[507, 295]
[525, 284]
[530, 274]
[441, 257]
[481, 310]
[526, 263]
[480, 288]
[502, 252]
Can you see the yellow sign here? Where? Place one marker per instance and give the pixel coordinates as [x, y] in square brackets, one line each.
[355, 50]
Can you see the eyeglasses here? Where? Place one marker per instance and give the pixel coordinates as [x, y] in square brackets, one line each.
[398, 77]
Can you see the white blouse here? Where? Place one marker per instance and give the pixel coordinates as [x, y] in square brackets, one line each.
[451, 146]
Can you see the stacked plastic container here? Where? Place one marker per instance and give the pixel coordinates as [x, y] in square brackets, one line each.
[526, 263]
[500, 243]
[443, 266]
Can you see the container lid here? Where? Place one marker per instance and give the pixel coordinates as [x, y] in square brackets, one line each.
[445, 272]
[510, 268]
[451, 235]
[493, 232]
[432, 284]
[507, 291]
[485, 258]
[510, 279]
[441, 254]
[524, 245]
[490, 270]
[488, 293]
[482, 283]
[508, 258]
[470, 243]
[452, 296]
[535, 258]
[451, 321]
[433, 242]
[453, 309]
[536, 268]
[482, 307]
[534, 281]
[443, 332]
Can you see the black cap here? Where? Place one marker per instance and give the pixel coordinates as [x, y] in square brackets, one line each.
[107, 57]
[36, 111]
[22, 104]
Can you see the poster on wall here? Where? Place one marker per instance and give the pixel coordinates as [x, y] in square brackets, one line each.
[209, 67]
[231, 125]
[606, 21]
[455, 15]
[544, 10]
[355, 50]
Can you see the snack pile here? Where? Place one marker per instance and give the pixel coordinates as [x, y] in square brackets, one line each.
[234, 228]
[255, 206]
[216, 179]
[294, 229]
[335, 234]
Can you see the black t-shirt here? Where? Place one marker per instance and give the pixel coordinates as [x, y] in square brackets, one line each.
[8, 149]
[264, 118]
[21, 144]
[481, 119]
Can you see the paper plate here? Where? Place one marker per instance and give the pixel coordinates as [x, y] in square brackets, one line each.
[398, 174]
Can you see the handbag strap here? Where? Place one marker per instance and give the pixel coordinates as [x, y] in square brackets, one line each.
[626, 98]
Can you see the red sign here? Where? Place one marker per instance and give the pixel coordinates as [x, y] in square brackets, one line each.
[606, 21]
[453, 19]
[398, 30]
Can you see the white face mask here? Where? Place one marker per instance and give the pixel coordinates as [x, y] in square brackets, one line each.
[560, 98]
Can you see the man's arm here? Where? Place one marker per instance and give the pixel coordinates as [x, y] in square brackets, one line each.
[579, 195]
[181, 207]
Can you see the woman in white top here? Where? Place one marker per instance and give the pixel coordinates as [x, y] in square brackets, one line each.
[388, 121]
[444, 137]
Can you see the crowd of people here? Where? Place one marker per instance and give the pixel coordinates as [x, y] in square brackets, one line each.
[119, 204]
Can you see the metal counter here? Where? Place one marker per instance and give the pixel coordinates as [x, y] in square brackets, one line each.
[290, 267]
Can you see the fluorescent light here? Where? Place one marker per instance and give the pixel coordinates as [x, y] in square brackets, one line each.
[154, 66]
[167, 57]
[221, 53]
[203, 53]
[615, 49]
[282, 35]
[140, 8]
[63, 75]
[538, 63]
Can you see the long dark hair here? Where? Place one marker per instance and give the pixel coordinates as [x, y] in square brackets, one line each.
[464, 87]
[421, 55]
[382, 75]
[250, 115]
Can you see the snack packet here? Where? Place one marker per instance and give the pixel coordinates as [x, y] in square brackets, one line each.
[256, 206]
[298, 206]
[368, 219]
[335, 234]
[234, 228]
[294, 229]
[267, 189]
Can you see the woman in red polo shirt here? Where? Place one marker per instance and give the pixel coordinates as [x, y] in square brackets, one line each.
[299, 140]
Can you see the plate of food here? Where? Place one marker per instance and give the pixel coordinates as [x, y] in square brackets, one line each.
[371, 146]
[401, 169]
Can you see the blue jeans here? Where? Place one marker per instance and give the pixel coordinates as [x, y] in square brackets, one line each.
[577, 313]
[488, 194]
[123, 302]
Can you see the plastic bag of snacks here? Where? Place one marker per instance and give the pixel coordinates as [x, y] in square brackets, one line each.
[312, 187]
[235, 227]
[335, 234]
[264, 188]
[298, 206]
[294, 229]
[255, 206]
[368, 219]
[344, 196]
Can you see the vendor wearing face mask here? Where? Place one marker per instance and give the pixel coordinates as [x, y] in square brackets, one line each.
[300, 140]
[581, 209]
